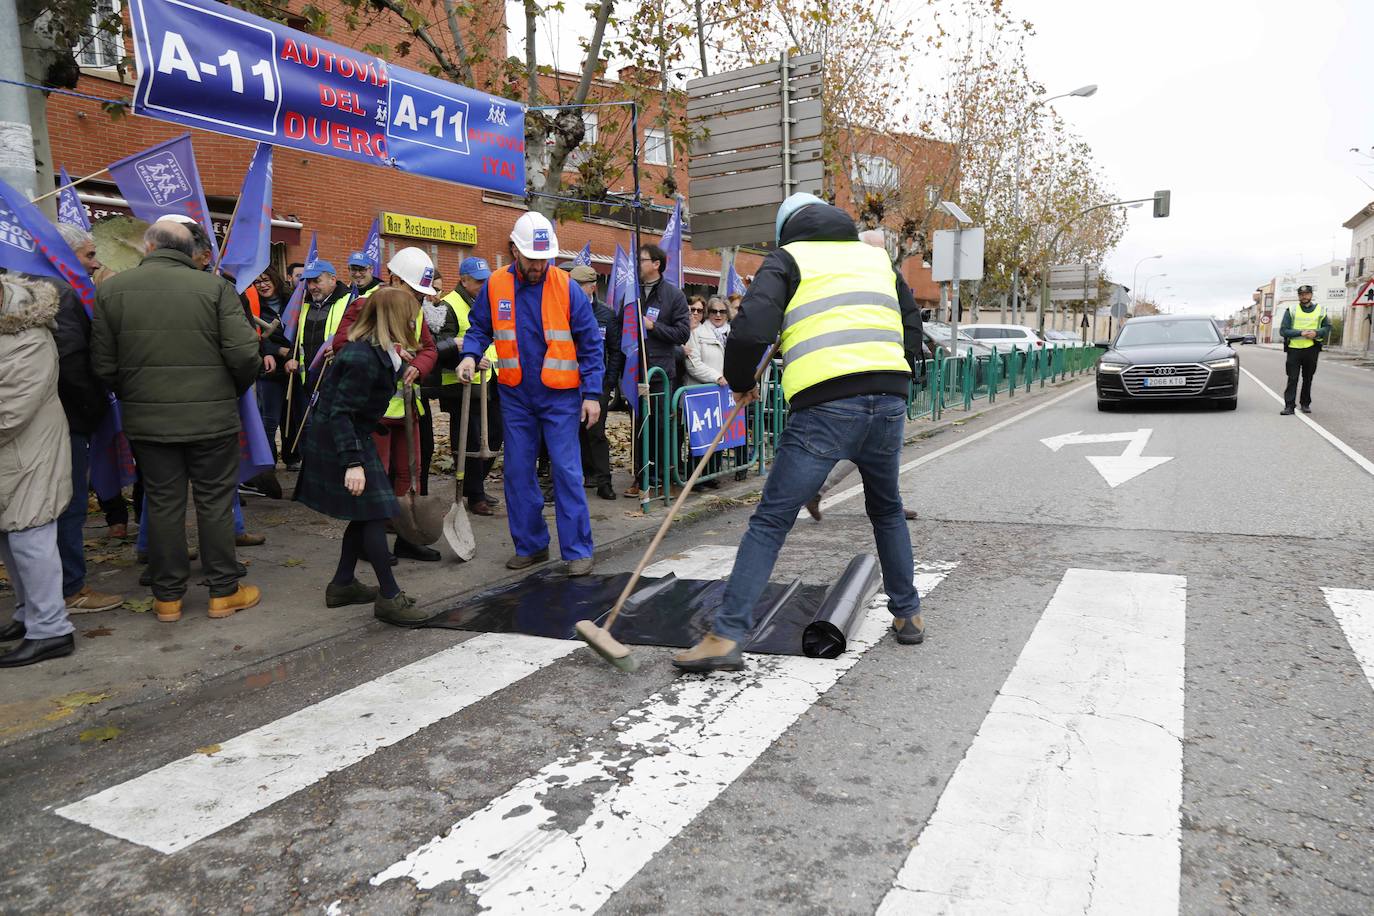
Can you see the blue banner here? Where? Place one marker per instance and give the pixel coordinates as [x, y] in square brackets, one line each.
[211, 66]
[248, 249]
[69, 207]
[705, 410]
[32, 245]
[164, 180]
[624, 299]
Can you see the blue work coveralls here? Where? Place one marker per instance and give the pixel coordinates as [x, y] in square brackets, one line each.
[531, 409]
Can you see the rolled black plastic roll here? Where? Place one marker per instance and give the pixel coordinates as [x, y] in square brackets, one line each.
[828, 634]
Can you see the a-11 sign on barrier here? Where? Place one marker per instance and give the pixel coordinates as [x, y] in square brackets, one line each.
[207, 65]
[705, 410]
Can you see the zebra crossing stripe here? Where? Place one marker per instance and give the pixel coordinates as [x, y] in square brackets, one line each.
[670, 758]
[1354, 610]
[187, 800]
[1068, 798]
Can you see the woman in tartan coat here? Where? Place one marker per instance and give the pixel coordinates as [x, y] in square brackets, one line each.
[341, 473]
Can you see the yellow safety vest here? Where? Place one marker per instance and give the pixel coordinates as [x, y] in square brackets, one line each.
[844, 317]
[463, 312]
[1305, 321]
[331, 327]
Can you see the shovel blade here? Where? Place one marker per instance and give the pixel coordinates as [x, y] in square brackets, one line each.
[458, 533]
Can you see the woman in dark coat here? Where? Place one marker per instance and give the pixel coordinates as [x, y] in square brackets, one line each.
[341, 473]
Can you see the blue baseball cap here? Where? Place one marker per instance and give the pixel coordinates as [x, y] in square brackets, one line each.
[477, 268]
[317, 267]
[359, 259]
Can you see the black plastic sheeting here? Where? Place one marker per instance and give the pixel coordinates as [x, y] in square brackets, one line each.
[793, 619]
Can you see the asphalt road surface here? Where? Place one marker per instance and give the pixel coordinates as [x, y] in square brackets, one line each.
[1148, 687]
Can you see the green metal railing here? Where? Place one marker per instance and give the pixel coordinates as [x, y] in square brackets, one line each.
[941, 383]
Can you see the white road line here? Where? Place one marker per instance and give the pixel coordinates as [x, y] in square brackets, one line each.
[170, 808]
[1345, 450]
[702, 562]
[1068, 799]
[671, 757]
[834, 499]
[1354, 610]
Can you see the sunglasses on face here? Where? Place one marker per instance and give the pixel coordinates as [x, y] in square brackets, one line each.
[718, 312]
[695, 311]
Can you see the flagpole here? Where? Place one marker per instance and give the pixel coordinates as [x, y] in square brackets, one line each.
[233, 219]
[71, 184]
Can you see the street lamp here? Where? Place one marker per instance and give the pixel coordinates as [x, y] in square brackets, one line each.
[1081, 92]
[1147, 285]
[1136, 273]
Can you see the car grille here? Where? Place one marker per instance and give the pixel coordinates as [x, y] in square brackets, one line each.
[1134, 380]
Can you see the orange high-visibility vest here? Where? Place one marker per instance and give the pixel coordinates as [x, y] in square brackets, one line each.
[254, 306]
[560, 358]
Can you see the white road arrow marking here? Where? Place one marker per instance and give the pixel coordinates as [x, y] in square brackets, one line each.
[1115, 469]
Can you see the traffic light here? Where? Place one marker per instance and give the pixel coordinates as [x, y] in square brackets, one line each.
[1161, 204]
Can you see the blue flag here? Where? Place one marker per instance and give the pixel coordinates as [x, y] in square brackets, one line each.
[624, 293]
[584, 257]
[733, 284]
[32, 245]
[163, 179]
[314, 252]
[69, 207]
[373, 247]
[291, 315]
[248, 249]
[672, 246]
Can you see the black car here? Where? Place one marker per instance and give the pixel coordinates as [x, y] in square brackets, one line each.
[1167, 357]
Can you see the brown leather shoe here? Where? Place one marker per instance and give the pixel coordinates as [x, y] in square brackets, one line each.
[713, 653]
[910, 514]
[247, 596]
[814, 508]
[89, 602]
[909, 631]
[631, 491]
[167, 611]
[250, 540]
[480, 507]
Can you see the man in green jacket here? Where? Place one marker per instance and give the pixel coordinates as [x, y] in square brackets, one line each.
[173, 344]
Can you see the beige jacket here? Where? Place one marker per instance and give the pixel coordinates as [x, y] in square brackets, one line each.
[35, 451]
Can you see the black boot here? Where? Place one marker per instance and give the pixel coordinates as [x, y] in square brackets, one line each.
[405, 550]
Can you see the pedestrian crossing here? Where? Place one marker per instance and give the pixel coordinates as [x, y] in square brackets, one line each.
[1067, 799]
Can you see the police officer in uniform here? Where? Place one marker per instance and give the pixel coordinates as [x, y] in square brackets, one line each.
[847, 346]
[1304, 330]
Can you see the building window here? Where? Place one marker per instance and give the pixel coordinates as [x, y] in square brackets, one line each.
[875, 173]
[584, 149]
[103, 48]
[658, 147]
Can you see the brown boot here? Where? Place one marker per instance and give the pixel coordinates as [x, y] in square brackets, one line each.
[909, 631]
[247, 596]
[87, 601]
[713, 653]
[167, 611]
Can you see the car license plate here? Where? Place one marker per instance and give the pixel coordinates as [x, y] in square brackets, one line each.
[1166, 381]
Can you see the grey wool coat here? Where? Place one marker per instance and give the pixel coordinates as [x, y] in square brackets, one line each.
[35, 467]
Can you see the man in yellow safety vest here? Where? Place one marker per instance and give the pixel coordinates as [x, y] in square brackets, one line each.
[847, 346]
[1304, 330]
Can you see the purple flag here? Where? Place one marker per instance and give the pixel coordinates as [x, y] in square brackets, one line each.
[373, 247]
[112, 461]
[672, 246]
[247, 250]
[584, 257]
[255, 455]
[314, 251]
[164, 179]
[624, 293]
[291, 315]
[733, 284]
[30, 244]
[69, 207]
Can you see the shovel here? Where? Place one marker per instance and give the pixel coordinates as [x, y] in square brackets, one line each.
[421, 519]
[457, 528]
[485, 445]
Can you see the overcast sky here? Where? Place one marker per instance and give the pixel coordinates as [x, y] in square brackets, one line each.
[1245, 109]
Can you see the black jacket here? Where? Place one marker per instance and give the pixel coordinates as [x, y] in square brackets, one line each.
[672, 327]
[610, 324]
[759, 322]
[84, 397]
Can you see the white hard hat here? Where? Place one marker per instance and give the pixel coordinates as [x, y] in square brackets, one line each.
[414, 266]
[534, 237]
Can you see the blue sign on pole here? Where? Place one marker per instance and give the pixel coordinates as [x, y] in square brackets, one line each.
[706, 409]
[211, 66]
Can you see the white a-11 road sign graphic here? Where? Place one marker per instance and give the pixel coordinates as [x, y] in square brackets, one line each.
[1115, 469]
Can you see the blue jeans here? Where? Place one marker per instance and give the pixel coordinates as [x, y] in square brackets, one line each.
[72, 522]
[271, 401]
[866, 429]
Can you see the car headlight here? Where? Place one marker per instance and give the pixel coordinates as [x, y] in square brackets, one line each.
[1112, 368]
[1227, 363]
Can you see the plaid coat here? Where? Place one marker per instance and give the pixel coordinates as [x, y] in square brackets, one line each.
[353, 398]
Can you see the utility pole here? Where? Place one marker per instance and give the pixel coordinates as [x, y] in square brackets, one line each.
[16, 133]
